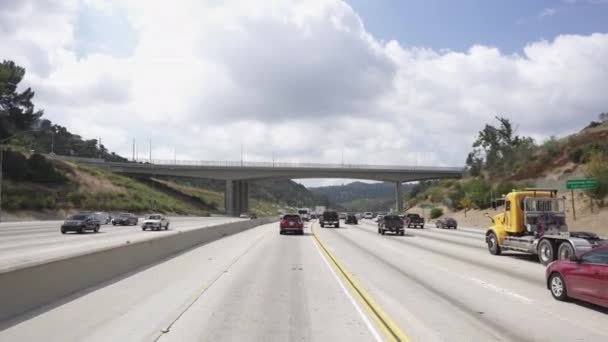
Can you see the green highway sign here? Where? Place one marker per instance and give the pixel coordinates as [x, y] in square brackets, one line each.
[583, 183]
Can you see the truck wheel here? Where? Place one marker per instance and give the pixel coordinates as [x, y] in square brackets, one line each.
[167, 226]
[378, 230]
[97, 229]
[113, 223]
[565, 251]
[558, 287]
[382, 232]
[322, 225]
[422, 227]
[546, 252]
[62, 231]
[493, 246]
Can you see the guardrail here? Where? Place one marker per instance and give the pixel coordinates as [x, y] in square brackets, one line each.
[244, 164]
[250, 164]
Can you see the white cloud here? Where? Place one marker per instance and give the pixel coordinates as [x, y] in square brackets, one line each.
[300, 79]
[547, 12]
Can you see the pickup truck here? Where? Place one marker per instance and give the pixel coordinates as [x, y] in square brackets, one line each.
[414, 220]
[329, 218]
[391, 223]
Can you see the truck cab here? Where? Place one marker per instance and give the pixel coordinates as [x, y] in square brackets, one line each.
[534, 221]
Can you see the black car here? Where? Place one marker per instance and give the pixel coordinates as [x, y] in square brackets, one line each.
[125, 219]
[80, 223]
[446, 222]
[351, 219]
[329, 218]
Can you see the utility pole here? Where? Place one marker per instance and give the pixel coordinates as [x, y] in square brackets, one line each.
[174, 155]
[272, 158]
[150, 149]
[52, 142]
[342, 156]
[133, 150]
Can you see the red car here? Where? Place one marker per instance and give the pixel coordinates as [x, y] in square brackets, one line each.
[292, 223]
[583, 277]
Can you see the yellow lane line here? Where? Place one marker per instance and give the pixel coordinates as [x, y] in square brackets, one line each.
[391, 331]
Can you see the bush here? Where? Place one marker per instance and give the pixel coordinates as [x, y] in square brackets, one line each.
[551, 147]
[436, 212]
[43, 171]
[14, 165]
[598, 168]
[576, 155]
[593, 124]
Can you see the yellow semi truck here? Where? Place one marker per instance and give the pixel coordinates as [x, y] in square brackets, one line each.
[534, 221]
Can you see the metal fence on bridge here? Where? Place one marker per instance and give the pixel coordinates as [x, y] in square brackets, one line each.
[161, 162]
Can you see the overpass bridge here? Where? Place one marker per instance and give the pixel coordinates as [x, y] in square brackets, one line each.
[237, 175]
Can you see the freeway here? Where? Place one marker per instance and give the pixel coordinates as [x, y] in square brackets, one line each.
[32, 242]
[436, 285]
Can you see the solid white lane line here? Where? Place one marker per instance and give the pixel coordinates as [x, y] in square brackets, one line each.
[365, 319]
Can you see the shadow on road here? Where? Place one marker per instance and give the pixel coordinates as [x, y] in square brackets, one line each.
[525, 257]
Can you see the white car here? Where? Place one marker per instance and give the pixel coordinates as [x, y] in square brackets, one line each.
[368, 215]
[155, 222]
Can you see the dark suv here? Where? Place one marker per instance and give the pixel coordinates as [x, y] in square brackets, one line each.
[329, 218]
[351, 219]
[125, 219]
[80, 223]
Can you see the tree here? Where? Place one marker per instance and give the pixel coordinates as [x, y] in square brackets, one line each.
[465, 203]
[603, 117]
[498, 150]
[16, 109]
[478, 191]
[597, 168]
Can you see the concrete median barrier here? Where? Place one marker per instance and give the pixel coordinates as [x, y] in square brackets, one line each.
[29, 288]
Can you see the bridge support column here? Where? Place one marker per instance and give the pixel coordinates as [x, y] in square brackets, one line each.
[230, 198]
[398, 197]
[244, 197]
[236, 197]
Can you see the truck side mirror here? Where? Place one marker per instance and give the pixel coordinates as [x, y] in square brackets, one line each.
[488, 216]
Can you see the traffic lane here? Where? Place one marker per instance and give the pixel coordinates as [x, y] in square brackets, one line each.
[465, 240]
[420, 313]
[135, 307]
[52, 229]
[526, 268]
[33, 250]
[33, 227]
[283, 290]
[473, 295]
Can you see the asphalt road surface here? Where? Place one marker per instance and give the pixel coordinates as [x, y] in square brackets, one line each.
[436, 285]
[27, 243]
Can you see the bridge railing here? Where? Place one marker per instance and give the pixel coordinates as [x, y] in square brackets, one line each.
[224, 163]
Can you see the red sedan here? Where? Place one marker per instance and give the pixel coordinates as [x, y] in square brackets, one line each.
[584, 277]
[291, 223]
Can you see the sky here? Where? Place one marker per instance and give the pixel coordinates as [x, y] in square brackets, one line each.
[366, 82]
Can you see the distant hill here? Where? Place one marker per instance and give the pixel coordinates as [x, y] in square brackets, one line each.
[359, 196]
